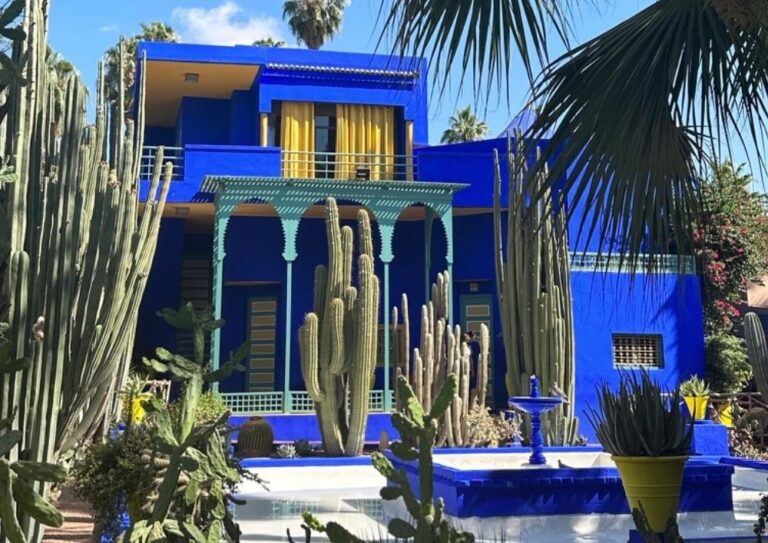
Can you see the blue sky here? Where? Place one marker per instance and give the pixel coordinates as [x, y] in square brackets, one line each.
[82, 30]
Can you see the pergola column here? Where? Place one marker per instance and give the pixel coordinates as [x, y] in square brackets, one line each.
[290, 230]
[219, 252]
[447, 219]
[387, 231]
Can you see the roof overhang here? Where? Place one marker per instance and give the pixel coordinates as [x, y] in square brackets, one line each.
[167, 82]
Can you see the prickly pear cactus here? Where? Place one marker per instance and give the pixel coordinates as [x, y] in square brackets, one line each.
[421, 426]
[534, 293]
[338, 338]
[194, 477]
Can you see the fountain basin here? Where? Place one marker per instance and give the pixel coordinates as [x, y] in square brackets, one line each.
[482, 484]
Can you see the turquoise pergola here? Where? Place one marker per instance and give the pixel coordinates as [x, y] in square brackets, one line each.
[291, 198]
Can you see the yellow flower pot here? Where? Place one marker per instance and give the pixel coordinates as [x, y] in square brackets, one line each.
[654, 483]
[725, 414]
[697, 406]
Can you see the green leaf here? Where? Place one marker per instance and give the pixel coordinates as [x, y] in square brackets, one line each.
[12, 366]
[444, 397]
[39, 471]
[313, 522]
[35, 505]
[192, 532]
[401, 529]
[9, 440]
[338, 534]
[13, 34]
[10, 524]
[390, 493]
[404, 451]
[214, 533]
[155, 365]
[11, 12]
[405, 426]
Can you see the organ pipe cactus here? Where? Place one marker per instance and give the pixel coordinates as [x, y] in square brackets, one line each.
[443, 351]
[534, 290]
[338, 338]
[758, 351]
[19, 478]
[80, 251]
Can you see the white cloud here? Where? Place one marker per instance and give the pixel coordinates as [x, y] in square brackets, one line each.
[108, 29]
[226, 24]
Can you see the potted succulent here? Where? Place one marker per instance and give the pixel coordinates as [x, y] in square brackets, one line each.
[649, 438]
[696, 393]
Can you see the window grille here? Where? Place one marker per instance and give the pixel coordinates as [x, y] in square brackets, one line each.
[638, 350]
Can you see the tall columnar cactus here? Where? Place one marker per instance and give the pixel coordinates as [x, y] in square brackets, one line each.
[534, 291]
[18, 478]
[80, 254]
[443, 351]
[758, 351]
[338, 338]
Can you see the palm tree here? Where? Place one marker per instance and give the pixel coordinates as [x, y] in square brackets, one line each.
[269, 42]
[636, 113]
[154, 31]
[464, 126]
[314, 21]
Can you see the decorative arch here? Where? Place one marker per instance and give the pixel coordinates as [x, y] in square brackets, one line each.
[386, 201]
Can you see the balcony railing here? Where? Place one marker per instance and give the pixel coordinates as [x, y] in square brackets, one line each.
[667, 263]
[355, 166]
[254, 403]
[174, 155]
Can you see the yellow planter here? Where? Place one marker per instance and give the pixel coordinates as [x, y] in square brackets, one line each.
[725, 414]
[654, 483]
[697, 406]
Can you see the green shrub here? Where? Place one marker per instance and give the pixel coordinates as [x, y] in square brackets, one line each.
[210, 407]
[728, 369]
[109, 474]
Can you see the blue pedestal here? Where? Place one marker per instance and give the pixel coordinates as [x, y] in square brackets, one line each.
[710, 439]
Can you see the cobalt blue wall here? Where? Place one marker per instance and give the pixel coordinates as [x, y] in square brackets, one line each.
[204, 120]
[159, 135]
[608, 303]
[243, 118]
[163, 288]
[291, 85]
[203, 160]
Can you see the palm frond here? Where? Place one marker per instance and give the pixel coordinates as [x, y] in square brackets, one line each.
[478, 35]
[638, 112]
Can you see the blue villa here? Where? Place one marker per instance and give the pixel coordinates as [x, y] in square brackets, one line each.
[260, 136]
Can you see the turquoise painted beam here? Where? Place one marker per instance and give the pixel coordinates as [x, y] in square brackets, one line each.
[291, 198]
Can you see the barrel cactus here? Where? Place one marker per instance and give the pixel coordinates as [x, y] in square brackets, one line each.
[534, 291]
[338, 338]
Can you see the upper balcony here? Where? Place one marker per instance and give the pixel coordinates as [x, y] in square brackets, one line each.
[192, 163]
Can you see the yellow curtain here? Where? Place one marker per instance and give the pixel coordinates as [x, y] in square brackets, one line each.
[297, 139]
[365, 137]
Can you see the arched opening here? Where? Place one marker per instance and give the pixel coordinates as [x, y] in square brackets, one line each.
[312, 247]
[253, 300]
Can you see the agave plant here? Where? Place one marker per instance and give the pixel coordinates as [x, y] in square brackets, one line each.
[641, 419]
[694, 387]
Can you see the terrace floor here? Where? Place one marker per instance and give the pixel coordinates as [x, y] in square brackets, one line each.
[349, 495]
